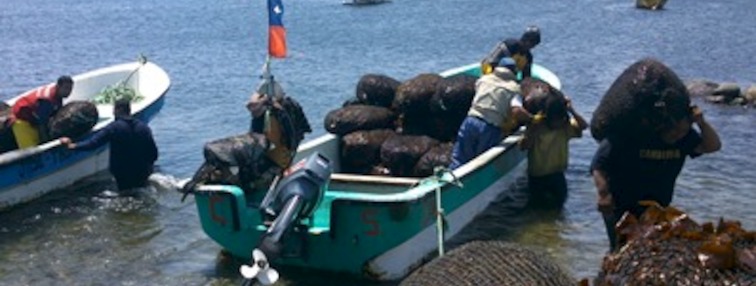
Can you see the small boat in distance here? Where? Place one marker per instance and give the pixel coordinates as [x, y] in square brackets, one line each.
[377, 227]
[32, 172]
[650, 4]
[364, 2]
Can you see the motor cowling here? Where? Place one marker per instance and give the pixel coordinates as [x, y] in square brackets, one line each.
[293, 199]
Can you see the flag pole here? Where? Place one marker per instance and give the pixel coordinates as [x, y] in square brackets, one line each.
[268, 76]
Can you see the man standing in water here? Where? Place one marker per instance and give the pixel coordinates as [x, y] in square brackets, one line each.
[626, 172]
[132, 148]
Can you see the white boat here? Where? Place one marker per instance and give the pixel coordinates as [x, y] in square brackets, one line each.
[364, 2]
[32, 172]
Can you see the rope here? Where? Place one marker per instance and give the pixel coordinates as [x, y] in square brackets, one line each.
[438, 178]
[142, 60]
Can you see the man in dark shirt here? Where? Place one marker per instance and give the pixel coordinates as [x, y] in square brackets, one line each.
[626, 172]
[518, 50]
[132, 148]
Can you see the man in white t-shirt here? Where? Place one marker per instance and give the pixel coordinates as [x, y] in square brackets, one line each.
[497, 100]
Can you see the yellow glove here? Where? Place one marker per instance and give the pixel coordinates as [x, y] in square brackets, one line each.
[486, 68]
[538, 118]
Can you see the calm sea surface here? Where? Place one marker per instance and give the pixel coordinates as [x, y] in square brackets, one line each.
[213, 50]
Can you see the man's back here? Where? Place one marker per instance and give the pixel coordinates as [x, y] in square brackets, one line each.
[493, 95]
[132, 147]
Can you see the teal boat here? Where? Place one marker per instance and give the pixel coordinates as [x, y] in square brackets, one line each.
[377, 227]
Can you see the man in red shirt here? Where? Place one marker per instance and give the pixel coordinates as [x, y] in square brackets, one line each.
[34, 109]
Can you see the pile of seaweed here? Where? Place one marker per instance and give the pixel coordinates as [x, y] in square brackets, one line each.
[404, 128]
[398, 128]
[112, 93]
[666, 247]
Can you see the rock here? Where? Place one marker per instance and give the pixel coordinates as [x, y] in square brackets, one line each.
[729, 90]
[750, 94]
[701, 87]
[715, 99]
[738, 101]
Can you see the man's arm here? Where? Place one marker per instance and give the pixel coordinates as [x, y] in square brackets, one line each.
[605, 202]
[581, 123]
[526, 71]
[495, 55]
[709, 138]
[98, 139]
[599, 166]
[531, 132]
[43, 113]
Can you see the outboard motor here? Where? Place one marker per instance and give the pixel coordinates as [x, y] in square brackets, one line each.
[293, 199]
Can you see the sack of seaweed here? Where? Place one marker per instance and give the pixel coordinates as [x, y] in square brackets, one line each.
[666, 247]
[111, 93]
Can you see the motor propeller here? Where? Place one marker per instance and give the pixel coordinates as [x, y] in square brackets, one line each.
[260, 269]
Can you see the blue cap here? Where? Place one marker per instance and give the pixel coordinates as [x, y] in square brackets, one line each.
[508, 63]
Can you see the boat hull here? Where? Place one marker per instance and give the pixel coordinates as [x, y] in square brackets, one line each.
[30, 173]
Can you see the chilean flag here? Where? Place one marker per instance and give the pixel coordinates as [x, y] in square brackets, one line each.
[276, 30]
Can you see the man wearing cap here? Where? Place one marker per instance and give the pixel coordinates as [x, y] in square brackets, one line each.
[518, 50]
[132, 148]
[497, 101]
[32, 111]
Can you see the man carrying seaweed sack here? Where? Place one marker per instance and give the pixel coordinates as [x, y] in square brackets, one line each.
[281, 120]
[644, 126]
[547, 141]
[252, 160]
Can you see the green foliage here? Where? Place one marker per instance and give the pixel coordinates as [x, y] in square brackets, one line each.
[112, 93]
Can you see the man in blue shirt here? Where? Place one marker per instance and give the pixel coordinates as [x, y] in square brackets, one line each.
[132, 148]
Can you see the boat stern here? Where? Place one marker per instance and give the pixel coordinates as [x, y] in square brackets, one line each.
[225, 216]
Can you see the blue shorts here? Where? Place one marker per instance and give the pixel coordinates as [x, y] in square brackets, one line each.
[474, 137]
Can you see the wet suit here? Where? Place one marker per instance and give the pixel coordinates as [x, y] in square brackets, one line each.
[637, 172]
[132, 150]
